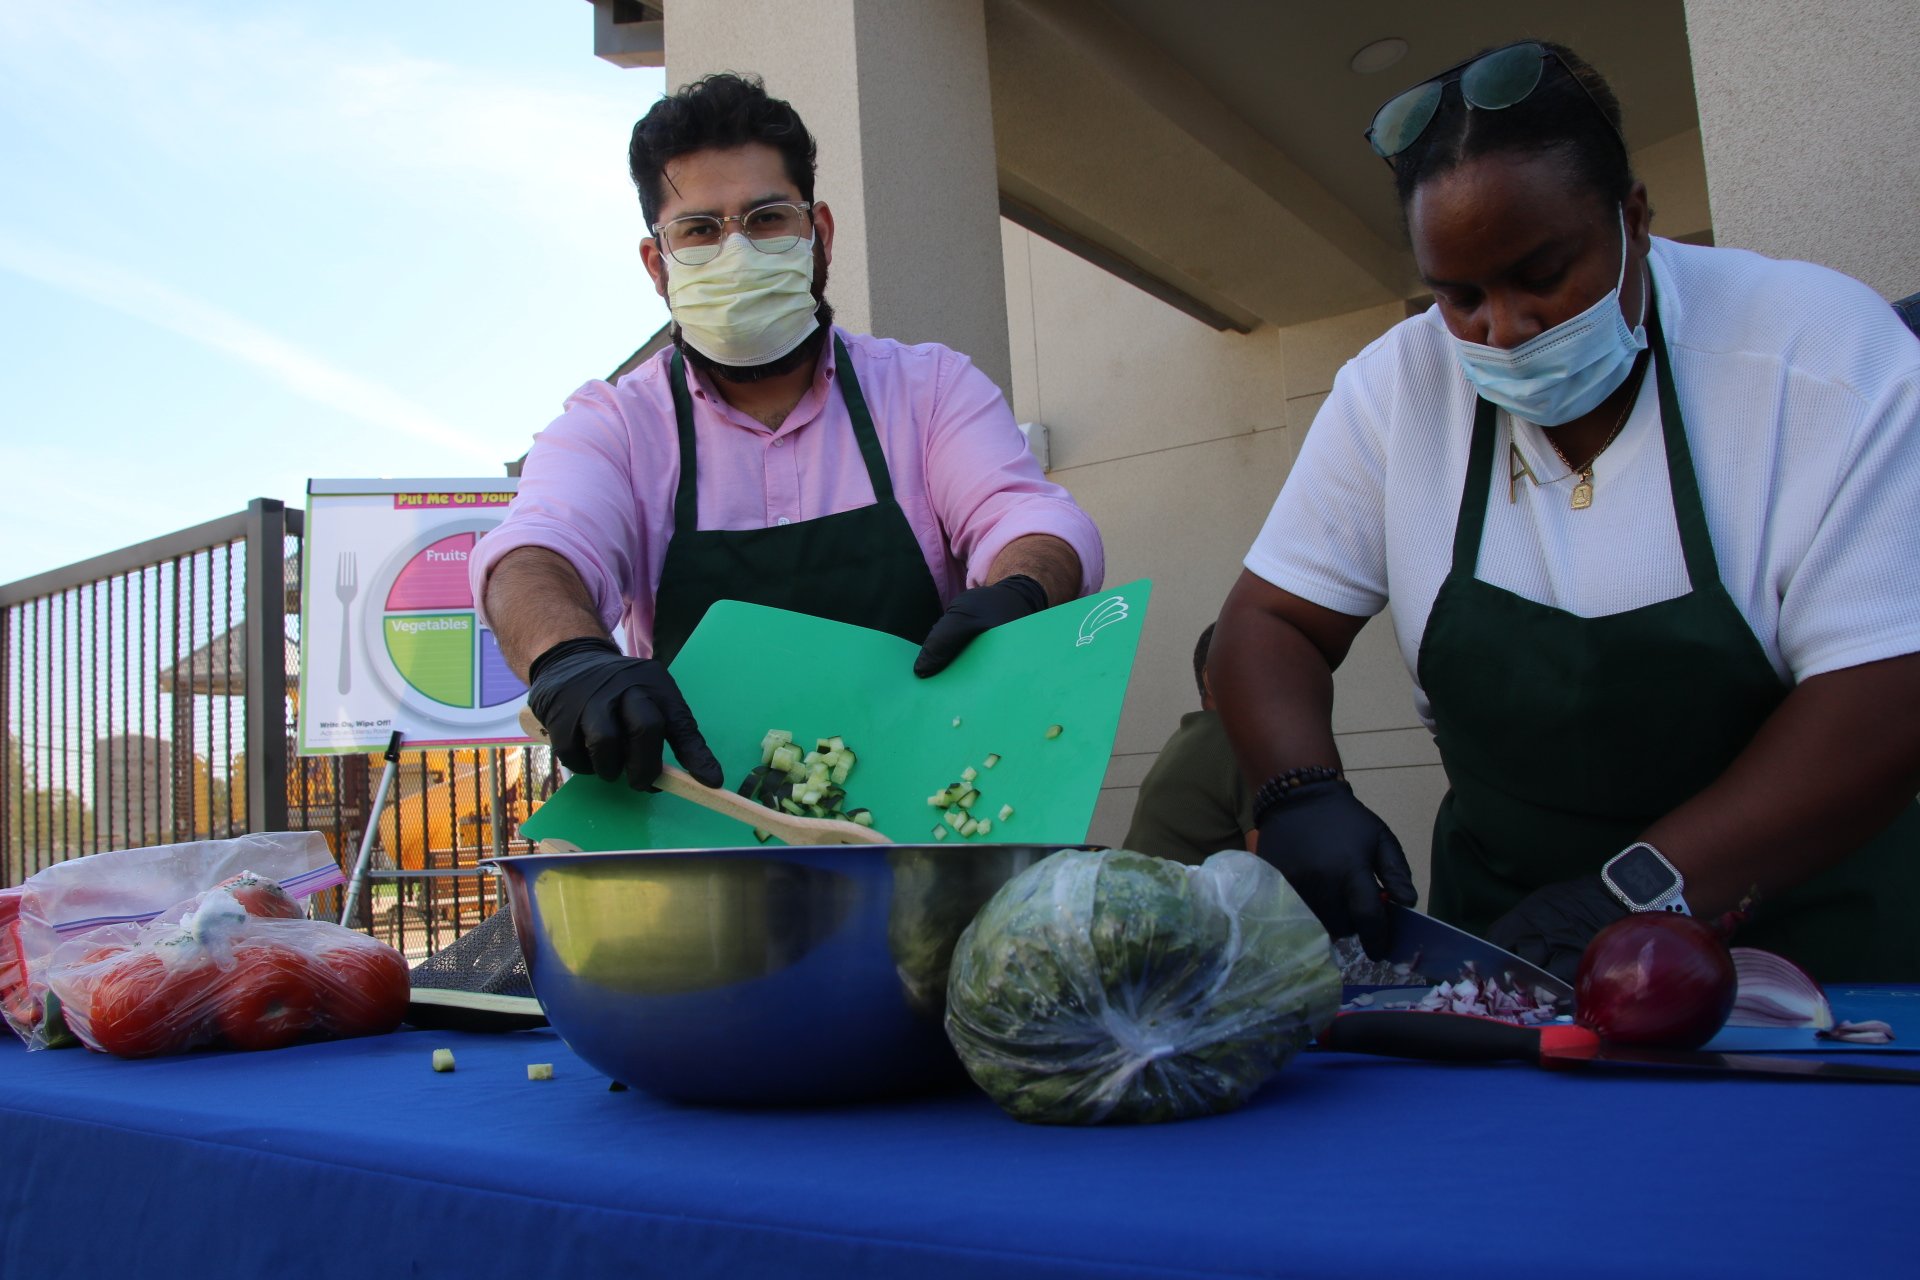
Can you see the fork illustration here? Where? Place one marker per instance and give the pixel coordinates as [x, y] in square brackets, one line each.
[346, 584]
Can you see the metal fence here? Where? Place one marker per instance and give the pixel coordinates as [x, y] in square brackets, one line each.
[149, 697]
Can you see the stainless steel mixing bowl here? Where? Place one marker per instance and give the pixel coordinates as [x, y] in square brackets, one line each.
[756, 976]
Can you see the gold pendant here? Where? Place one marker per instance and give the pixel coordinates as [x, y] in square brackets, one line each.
[1583, 492]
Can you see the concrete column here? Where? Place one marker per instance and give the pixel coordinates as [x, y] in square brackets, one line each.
[1811, 127]
[896, 96]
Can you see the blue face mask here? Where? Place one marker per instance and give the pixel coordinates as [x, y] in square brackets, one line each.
[1562, 374]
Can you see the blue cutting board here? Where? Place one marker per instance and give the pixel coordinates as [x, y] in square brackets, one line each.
[1898, 1007]
[747, 669]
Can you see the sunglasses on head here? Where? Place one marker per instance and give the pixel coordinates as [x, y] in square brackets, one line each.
[1491, 81]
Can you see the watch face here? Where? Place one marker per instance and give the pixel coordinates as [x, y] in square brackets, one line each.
[1641, 874]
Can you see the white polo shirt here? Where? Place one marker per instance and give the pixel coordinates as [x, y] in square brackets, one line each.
[1801, 394]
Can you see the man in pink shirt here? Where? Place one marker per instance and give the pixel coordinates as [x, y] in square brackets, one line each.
[766, 456]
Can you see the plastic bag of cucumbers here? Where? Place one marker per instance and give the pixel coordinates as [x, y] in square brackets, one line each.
[1113, 987]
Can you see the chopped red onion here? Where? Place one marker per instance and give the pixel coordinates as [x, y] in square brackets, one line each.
[1773, 991]
[1489, 998]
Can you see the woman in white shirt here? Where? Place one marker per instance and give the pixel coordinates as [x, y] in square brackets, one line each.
[1645, 513]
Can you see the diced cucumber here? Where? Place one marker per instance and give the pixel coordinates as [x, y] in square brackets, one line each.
[939, 799]
[804, 784]
[860, 817]
[990, 761]
[443, 1059]
[939, 833]
[969, 827]
[969, 773]
[967, 800]
[956, 820]
[956, 722]
[1053, 731]
[539, 1071]
[982, 827]
[1006, 811]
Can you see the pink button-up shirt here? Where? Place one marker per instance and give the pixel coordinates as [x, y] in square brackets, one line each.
[598, 486]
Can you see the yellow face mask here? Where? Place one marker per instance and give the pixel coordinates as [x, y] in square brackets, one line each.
[746, 307]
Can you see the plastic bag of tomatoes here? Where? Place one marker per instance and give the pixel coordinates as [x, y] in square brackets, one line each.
[268, 872]
[215, 972]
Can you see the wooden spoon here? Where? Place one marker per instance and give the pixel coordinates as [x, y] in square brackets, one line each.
[728, 804]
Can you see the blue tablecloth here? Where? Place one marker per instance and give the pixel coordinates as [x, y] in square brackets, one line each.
[356, 1159]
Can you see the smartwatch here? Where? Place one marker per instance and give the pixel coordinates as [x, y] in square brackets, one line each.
[1642, 878]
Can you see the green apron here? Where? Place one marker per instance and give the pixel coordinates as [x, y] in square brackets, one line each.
[1564, 737]
[862, 566]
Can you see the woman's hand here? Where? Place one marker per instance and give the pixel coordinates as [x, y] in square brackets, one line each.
[1343, 861]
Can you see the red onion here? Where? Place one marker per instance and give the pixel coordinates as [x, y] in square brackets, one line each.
[1775, 992]
[1655, 978]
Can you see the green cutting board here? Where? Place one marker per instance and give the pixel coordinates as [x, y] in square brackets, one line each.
[747, 669]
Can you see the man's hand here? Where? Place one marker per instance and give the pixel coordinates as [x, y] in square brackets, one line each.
[1339, 856]
[973, 612]
[1552, 926]
[608, 714]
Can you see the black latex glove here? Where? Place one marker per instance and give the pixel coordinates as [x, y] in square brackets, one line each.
[608, 714]
[973, 612]
[1341, 859]
[1552, 926]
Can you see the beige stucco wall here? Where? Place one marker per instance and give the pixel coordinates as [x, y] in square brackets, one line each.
[1175, 438]
[1811, 124]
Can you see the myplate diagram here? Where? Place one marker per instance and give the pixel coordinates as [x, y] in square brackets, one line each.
[424, 637]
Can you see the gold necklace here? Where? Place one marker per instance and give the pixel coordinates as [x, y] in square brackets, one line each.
[1583, 491]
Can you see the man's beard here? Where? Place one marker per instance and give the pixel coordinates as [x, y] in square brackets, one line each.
[803, 356]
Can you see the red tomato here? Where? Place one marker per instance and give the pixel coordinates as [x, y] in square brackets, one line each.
[368, 993]
[269, 999]
[16, 1002]
[259, 896]
[145, 1003]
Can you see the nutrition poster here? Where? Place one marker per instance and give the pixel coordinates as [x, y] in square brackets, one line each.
[389, 635]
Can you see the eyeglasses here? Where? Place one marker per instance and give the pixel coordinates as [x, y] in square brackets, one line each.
[1492, 81]
[770, 228]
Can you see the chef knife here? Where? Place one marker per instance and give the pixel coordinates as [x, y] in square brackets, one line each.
[1457, 1037]
[1426, 951]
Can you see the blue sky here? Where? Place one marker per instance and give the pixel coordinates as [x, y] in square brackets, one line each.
[244, 244]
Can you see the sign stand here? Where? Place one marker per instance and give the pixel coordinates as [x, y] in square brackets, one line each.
[372, 828]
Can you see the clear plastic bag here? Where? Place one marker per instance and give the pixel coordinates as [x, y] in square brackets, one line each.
[1112, 987]
[210, 972]
[128, 887]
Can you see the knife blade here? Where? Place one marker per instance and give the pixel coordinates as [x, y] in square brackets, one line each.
[1427, 952]
[1458, 1037]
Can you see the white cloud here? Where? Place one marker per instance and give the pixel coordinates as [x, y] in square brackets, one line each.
[301, 372]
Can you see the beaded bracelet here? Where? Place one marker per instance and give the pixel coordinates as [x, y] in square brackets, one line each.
[1278, 789]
